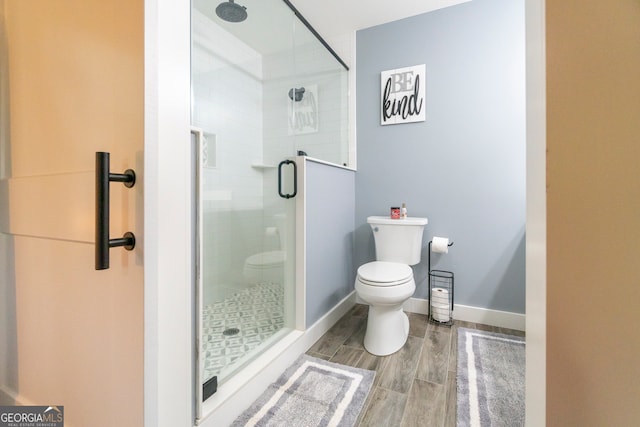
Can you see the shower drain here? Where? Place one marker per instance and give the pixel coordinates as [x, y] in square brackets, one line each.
[231, 331]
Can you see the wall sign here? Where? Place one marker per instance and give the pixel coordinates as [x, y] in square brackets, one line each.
[403, 95]
[303, 110]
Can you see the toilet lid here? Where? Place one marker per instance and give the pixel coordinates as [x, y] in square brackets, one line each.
[382, 273]
[264, 259]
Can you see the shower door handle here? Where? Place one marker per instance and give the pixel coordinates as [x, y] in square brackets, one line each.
[103, 242]
[295, 179]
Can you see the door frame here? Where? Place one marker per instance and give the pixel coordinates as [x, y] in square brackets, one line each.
[167, 241]
[536, 224]
[168, 248]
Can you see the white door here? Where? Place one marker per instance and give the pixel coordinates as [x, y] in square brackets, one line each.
[72, 84]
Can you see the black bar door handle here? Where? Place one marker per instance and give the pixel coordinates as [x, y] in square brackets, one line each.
[103, 178]
[295, 179]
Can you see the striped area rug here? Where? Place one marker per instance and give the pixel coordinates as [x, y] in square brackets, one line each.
[491, 379]
[312, 392]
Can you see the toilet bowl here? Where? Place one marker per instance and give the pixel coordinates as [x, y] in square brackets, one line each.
[268, 266]
[385, 284]
[264, 267]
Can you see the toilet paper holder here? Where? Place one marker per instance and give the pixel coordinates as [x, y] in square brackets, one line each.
[429, 264]
[441, 308]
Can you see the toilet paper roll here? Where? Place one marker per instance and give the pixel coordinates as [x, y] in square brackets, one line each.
[441, 317]
[440, 301]
[439, 296]
[440, 245]
[440, 312]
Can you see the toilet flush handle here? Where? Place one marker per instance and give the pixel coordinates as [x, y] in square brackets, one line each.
[375, 229]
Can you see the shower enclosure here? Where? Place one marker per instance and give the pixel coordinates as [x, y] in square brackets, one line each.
[265, 88]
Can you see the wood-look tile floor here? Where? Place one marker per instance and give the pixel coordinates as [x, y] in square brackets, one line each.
[415, 386]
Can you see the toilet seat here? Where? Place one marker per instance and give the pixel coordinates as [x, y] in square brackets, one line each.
[266, 259]
[264, 267]
[384, 274]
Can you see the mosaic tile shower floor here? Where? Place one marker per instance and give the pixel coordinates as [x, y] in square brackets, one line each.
[256, 313]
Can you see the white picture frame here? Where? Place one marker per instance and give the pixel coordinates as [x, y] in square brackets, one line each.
[402, 95]
[303, 110]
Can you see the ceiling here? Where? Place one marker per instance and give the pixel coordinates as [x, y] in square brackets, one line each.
[268, 28]
[336, 17]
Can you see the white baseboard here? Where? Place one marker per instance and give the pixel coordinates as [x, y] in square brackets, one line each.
[501, 319]
[245, 387]
[416, 305]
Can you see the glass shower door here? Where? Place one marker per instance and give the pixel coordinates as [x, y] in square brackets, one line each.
[246, 231]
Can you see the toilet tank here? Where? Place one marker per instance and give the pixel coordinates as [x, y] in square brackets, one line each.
[398, 240]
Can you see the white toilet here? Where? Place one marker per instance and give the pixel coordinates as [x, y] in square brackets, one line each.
[264, 267]
[385, 284]
[268, 266]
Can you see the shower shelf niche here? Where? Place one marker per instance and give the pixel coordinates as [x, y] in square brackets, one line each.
[262, 166]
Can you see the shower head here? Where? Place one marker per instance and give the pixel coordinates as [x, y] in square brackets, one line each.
[296, 94]
[231, 12]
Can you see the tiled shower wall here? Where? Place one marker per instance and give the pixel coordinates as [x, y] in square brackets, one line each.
[241, 101]
[308, 64]
[227, 92]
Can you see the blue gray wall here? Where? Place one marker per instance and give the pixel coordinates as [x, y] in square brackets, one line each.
[464, 167]
[330, 195]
